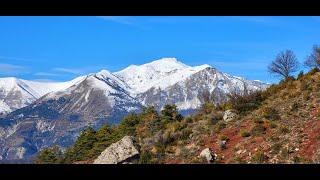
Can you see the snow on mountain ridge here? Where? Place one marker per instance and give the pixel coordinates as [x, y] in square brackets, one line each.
[108, 77]
[102, 80]
[17, 93]
[135, 79]
[159, 74]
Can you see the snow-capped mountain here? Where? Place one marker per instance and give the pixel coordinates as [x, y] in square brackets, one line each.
[169, 81]
[97, 95]
[59, 117]
[55, 113]
[17, 93]
[160, 73]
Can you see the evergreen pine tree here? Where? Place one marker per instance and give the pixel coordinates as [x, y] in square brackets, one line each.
[83, 146]
[50, 156]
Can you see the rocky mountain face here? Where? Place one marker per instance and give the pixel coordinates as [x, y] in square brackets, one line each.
[59, 117]
[45, 114]
[192, 92]
[17, 93]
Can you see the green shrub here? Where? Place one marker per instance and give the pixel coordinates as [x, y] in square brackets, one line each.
[297, 159]
[276, 148]
[273, 125]
[258, 157]
[207, 108]
[313, 71]
[50, 156]
[258, 121]
[246, 101]
[258, 129]
[284, 153]
[220, 125]
[170, 113]
[224, 138]
[185, 134]
[189, 119]
[238, 160]
[306, 96]
[300, 75]
[245, 133]
[270, 113]
[284, 129]
[294, 106]
[145, 158]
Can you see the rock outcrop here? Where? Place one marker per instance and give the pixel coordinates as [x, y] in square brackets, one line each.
[122, 152]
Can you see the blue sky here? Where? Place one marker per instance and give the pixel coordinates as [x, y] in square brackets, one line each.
[61, 48]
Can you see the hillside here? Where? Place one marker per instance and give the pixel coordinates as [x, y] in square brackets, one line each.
[278, 125]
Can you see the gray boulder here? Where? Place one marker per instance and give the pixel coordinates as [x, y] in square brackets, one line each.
[229, 115]
[121, 152]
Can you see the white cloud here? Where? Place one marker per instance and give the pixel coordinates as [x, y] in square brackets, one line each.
[119, 19]
[14, 58]
[44, 80]
[46, 74]
[69, 70]
[10, 69]
[79, 70]
[243, 65]
[126, 20]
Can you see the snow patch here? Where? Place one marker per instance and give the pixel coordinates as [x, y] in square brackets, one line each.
[44, 126]
[20, 151]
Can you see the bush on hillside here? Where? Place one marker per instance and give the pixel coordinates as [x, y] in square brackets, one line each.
[50, 156]
[245, 102]
[300, 75]
[258, 157]
[258, 129]
[244, 133]
[146, 157]
[270, 113]
[170, 113]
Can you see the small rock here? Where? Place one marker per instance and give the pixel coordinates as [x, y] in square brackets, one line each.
[177, 152]
[208, 155]
[239, 152]
[223, 144]
[229, 115]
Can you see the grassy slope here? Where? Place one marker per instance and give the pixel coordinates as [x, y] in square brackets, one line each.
[293, 137]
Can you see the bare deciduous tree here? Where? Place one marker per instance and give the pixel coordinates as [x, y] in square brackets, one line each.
[285, 63]
[313, 60]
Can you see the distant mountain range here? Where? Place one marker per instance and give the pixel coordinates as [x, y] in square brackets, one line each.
[37, 115]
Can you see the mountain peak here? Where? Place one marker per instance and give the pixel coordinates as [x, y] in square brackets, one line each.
[104, 73]
[166, 64]
[168, 59]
